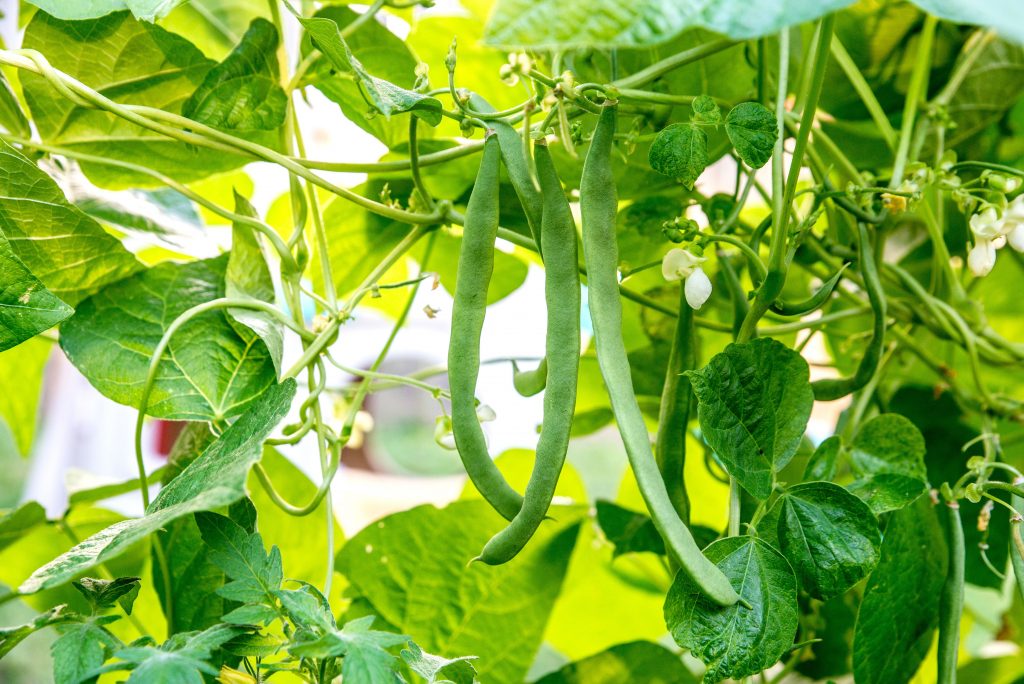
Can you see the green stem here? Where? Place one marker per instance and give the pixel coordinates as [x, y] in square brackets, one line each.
[915, 95]
[867, 95]
[951, 601]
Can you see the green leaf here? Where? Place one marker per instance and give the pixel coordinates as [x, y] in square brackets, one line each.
[637, 662]
[737, 641]
[823, 462]
[23, 368]
[81, 650]
[147, 10]
[829, 536]
[182, 659]
[754, 400]
[102, 594]
[437, 668]
[363, 649]
[193, 579]
[130, 62]
[15, 524]
[12, 116]
[67, 251]
[255, 574]
[425, 578]
[387, 97]
[752, 130]
[887, 456]
[629, 531]
[12, 636]
[248, 277]
[706, 110]
[211, 370]
[553, 24]
[164, 214]
[992, 85]
[900, 608]
[242, 92]
[680, 151]
[1007, 18]
[27, 308]
[215, 479]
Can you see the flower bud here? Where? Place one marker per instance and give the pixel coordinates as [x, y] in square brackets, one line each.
[697, 288]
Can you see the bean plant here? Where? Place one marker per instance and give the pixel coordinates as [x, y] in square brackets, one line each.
[781, 247]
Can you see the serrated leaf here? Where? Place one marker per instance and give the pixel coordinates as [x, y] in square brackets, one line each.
[899, 612]
[363, 649]
[706, 110]
[386, 96]
[131, 62]
[435, 668]
[215, 479]
[248, 277]
[181, 659]
[629, 531]
[829, 536]
[12, 636]
[638, 662]
[254, 645]
[754, 400]
[81, 649]
[822, 463]
[250, 614]
[752, 130]
[209, 371]
[242, 92]
[15, 524]
[737, 641]
[680, 151]
[27, 308]
[102, 594]
[68, 252]
[255, 574]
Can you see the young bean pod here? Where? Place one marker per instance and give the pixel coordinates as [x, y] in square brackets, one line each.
[830, 389]
[599, 205]
[951, 601]
[476, 264]
[674, 413]
[562, 295]
[530, 382]
[812, 303]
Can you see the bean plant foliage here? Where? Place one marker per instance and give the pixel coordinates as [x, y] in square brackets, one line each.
[781, 246]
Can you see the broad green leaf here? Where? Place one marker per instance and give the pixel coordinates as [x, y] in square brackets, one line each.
[381, 53]
[365, 658]
[215, 26]
[85, 487]
[255, 574]
[242, 92]
[680, 151]
[754, 400]
[81, 650]
[215, 479]
[66, 250]
[182, 659]
[1007, 18]
[429, 591]
[193, 579]
[131, 63]
[437, 668]
[15, 524]
[900, 608]
[752, 130]
[211, 370]
[23, 368]
[637, 662]
[992, 85]
[823, 462]
[887, 456]
[552, 24]
[387, 97]
[147, 10]
[629, 531]
[248, 277]
[12, 116]
[12, 636]
[27, 308]
[829, 536]
[737, 641]
[830, 657]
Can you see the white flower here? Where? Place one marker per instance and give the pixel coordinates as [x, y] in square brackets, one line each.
[485, 413]
[1016, 237]
[697, 288]
[1013, 217]
[982, 258]
[678, 264]
[986, 224]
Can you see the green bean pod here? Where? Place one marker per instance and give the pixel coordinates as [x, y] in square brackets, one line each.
[951, 601]
[562, 295]
[812, 303]
[530, 382]
[831, 389]
[674, 412]
[599, 204]
[476, 264]
[1017, 540]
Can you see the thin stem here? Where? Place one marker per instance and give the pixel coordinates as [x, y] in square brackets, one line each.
[680, 59]
[915, 95]
[867, 95]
